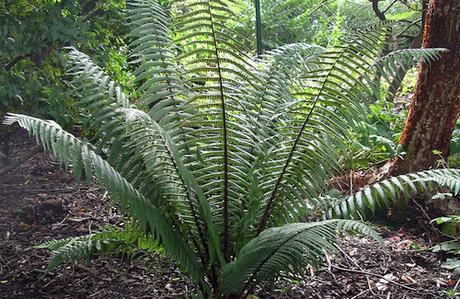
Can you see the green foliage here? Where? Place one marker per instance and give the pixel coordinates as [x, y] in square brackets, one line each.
[70, 250]
[285, 22]
[32, 37]
[376, 139]
[128, 242]
[408, 84]
[282, 249]
[379, 195]
[454, 148]
[219, 155]
[322, 22]
[452, 293]
[450, 226]
[379, 133]
[359, 14]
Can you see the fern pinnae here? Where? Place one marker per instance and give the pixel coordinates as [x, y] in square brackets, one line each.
[282, 249]
[157, 63]
[162, 90]
[99, 95]
[337, 62]
[264, 219]
[388, 65]
[392, 190]
[273, 62]
[147, 215]
[219, 68]
[72, 252]
[200, 207]
[128, 242]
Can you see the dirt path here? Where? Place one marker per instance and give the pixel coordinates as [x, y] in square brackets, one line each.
[38, 202]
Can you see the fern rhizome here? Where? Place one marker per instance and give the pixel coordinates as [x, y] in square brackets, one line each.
[222, 155]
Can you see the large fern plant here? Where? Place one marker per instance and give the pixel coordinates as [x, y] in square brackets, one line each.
[218, 157]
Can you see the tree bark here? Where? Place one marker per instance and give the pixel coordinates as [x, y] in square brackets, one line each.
[435, 105]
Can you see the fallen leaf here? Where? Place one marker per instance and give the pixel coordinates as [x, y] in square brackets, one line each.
[382, 284]
[73, 219]
[407, 279]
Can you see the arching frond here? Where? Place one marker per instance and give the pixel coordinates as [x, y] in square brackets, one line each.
[405, 59]
[282, 250]
[98, 93]
[148, 216]
[171, 187]
[380, 194]
[329, 101]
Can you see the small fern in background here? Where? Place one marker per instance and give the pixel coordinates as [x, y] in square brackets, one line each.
[222, 156]
[128, 242]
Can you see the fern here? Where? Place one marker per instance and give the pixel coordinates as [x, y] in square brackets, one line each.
[223, 154]
[70, 250]
[150, 219]
[381, 194]
[405, 59]
[279, 251]
[128, 242]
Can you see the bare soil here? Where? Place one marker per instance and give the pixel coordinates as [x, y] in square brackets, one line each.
[39, 202]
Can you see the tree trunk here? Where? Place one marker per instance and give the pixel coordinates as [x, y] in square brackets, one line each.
[435, 105]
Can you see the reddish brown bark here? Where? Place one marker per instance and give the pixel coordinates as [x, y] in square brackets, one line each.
[435, 105]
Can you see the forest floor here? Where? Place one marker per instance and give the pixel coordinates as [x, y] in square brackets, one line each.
[39, 202]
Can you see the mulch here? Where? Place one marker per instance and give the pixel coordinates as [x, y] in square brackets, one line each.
[40, 201]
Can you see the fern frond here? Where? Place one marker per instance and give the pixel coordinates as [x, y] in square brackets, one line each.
[171, 182]
[380, 194]
[153, 51]
[210, 49]
[70, 250]
[93, 85]
[330, 100]
[405, 59]
[149, 217]
[127, 242]
[56, 244]
[282, 250]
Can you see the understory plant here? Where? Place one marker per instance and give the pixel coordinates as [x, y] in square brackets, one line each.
[223, 156]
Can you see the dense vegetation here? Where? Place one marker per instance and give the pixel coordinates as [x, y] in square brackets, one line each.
[216, 157]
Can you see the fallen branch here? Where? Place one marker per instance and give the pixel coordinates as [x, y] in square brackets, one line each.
[23, 158]
[38, 191]
[376, 275]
